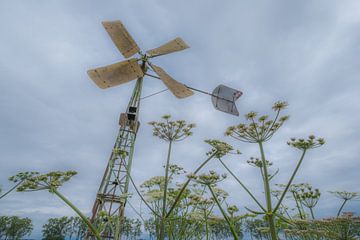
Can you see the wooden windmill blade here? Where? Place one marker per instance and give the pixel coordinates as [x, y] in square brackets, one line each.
[122, 38]
[116, 74]
[174, 45]
[178, 89]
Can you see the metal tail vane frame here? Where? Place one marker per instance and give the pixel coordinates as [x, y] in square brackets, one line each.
[112, 195]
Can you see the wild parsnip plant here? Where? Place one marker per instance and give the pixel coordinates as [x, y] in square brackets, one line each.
[345, 227]
[346, 197]
[210, 180]
[192, 217]
[34, 181]
[171, 132]
[259, 130]
[309, 198]
[167, 203]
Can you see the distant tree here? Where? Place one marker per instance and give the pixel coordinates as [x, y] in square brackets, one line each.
[56, 228]
[76, 228]
[64, 227]
[14, 227]
[3, 226]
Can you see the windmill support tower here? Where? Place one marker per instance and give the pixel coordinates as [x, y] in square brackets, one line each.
[113, 191]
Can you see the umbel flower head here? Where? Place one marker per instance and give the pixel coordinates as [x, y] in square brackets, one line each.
[156, 181]
[345, 195]
[36, 181]
[258, 129]
[309, 197]
[256, 162]
[219, 148]
[22, 176]
[212, 178]
[172, 130]
[232, 209]
[302, 144]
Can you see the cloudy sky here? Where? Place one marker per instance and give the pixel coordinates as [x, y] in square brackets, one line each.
[53, 117]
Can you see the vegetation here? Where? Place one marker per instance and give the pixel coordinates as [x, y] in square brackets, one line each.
[35, 181]
[15, 227]
[186, 204]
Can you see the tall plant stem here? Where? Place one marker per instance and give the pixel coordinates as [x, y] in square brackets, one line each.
[206, 226]
[297, 205]
[187, 183]
[223, 213]
[11, 189]
[81, 215]
[138, 192]
[242, 185]
[342, 206]
[312, 213]
[162, 222]
[270, 215]
[290, 180]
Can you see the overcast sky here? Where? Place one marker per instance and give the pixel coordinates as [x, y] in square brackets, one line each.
[53, 117]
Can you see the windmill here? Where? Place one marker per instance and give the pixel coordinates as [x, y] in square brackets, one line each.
[113, 190]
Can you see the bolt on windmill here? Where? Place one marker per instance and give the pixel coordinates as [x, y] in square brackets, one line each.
[113, 191]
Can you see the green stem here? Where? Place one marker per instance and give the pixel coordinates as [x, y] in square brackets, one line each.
[11, 189]
[243, 186]
[290, 181]
[223, 213]
[138, 192]
[312, 213]
[297, 205]
[270, 212]
[81, 215]
[342, 206]
[187, 183]
[206, 226]
[162, 223]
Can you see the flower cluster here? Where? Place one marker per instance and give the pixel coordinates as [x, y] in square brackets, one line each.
[345, 227]
[200, 201]
[35, 181]
[176, 169]
[309, 197]
[211, 178]
[256, 162]
[22, 176]
[219, 148]
[232, 209]
[154, 195]
[220, 193]
[172, 130]
[347, 196]
[258, 129]
[156, 181]
[303, 144]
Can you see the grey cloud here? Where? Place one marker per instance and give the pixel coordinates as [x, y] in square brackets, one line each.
[54, 118]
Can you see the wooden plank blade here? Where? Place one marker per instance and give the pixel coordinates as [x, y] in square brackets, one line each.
[116, 74]
[173, 46]
[122, 38]
[178, 89]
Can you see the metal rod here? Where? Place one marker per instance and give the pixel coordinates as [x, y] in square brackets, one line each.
[150, 75]
[154, 94]
[203, 92]
[197, 90]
